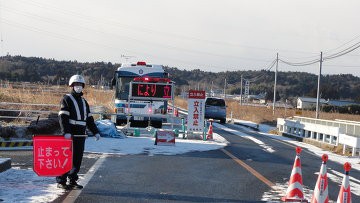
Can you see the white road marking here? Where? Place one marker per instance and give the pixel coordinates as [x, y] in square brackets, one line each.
[257, 141]
[74, 194]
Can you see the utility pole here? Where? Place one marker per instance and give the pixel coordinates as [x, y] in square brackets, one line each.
[276, 70]
[318, 89]
[241, 97]
[224, 89]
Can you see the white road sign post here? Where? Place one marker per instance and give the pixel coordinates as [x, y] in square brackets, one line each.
[196, 111]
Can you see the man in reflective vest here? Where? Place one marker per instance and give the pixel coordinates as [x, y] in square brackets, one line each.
[74, 117]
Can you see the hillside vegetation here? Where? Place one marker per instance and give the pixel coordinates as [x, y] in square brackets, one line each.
[290, 84]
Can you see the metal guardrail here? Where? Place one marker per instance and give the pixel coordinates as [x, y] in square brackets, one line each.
[346, 127]
[27, 104]
[97, 109]
[93, 109]
[26, 111]
[33, 111]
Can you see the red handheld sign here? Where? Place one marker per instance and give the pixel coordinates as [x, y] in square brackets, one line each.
[52, 155]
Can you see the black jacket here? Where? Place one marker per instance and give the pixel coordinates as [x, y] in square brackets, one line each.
[72, 118]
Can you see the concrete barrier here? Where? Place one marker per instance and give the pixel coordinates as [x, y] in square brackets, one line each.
[5, 164]
[330, 132]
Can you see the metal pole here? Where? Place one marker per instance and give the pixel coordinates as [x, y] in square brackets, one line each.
[276, 70]
[224, 89]
[241, 83]
[318, 89]
[173, 101]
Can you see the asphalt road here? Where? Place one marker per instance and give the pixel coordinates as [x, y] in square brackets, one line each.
[211, 176]
[277, 166]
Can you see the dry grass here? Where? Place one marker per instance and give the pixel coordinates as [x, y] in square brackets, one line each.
[182, 103]
[30, 96]
[265, 114]
[53, 95]
[335, 149]
[99, 98]
[46, 95]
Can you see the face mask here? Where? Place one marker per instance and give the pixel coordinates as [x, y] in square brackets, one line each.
[78, 89]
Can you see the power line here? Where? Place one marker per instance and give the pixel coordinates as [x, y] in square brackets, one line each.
[332, 56]
[148, 30]
[305, 63]
[254, 79]
[343, 52]
[117, 24]
[85, 42]
[52, 21]
[343, 44]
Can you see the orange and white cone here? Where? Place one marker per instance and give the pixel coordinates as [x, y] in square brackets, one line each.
[345, 192]
[295, 192]
[210, 131]
[321, 194]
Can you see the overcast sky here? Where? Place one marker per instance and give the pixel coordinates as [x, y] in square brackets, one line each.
[212, 35]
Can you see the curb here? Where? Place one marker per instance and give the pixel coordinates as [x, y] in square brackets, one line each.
[16, 143]
[5, 164]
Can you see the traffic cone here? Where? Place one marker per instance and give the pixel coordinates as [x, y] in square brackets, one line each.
[295, 193]
[210, 131]
[321, 194]
[345, 192]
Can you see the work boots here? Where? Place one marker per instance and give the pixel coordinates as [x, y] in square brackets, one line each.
[75, 186]
[64, 186]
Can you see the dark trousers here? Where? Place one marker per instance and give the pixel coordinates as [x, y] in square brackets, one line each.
[78, 151]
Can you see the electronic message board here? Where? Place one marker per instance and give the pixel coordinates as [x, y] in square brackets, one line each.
[151, 91]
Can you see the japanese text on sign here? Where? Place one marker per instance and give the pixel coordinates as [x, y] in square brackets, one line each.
[52, 158]
[151, 90]
[196, 94]
[196, 109]
[52, 155]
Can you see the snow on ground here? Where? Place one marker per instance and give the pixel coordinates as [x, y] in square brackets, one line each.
[252, 138]
[280, 188]
[139, 145]
[23, 185]
[43, 189]
[264, 129]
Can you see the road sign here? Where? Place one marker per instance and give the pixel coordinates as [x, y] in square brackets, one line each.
[196, 110]
[151, 91]
[52, 155]
[165, 137]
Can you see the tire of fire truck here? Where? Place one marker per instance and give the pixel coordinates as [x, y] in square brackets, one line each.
[156, 124]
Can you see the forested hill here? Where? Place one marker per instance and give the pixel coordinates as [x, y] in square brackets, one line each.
[34, 69]
[290, 84]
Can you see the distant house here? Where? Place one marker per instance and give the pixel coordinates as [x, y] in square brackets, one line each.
[257, 99]
[308, 103]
